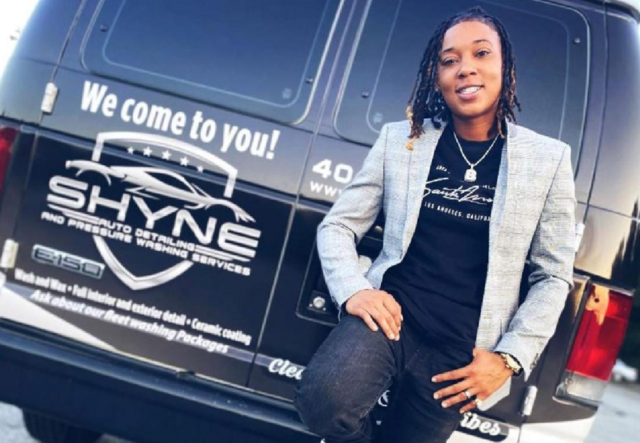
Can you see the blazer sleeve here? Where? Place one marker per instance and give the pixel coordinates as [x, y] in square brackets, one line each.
[552, 257]
[349, 219]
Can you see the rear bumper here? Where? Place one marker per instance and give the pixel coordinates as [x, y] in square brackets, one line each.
[114, 394]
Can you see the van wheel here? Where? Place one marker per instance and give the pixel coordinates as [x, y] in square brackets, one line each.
[48, 430]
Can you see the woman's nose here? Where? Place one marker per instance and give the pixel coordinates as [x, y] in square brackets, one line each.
[466, 68]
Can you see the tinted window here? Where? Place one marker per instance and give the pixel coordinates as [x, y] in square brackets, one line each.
[550, 44]
[256, 56]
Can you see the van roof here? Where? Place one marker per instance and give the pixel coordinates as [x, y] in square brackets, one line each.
[633, 6]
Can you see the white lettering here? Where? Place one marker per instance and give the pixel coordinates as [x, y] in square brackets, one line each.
[159, 118]
[124, 112]
[229, 133]
[185, 216]
[208, 131]
[93, 95]
[471, 421]
[205, 327]
[53, 218]
[109, 105]
[195, 126]
[140, 113]
[96, 200]
[231, 233]
[259, 144]
[178, 122]
[60, 185]
[286, 369]
[153, 217]
[243, 140]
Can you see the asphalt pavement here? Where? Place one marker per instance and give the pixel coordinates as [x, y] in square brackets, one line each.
[13, 431]
[617, 420]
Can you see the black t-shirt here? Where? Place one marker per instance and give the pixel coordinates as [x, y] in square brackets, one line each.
[440, 282]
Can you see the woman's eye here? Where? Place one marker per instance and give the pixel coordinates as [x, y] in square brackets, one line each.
[483, 53]
[448, 61]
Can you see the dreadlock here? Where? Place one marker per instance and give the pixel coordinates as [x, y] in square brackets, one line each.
[427, 102]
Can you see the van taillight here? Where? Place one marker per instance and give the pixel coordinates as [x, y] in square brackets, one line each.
[600, 334]
[7, 136]
[596, 345]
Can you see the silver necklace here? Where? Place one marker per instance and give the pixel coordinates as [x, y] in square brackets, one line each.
[470, 175]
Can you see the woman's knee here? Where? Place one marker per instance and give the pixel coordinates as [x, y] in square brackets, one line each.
[344, 379]
[325, 409]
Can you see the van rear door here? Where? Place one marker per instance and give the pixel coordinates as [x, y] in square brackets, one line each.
[162, 185]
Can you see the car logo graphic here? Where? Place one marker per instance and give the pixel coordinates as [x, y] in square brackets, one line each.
[152, 182]
[148, 183]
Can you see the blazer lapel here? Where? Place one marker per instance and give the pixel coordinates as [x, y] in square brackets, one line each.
[500, 195]
[417, 173]
[502, 218]
[508, 181]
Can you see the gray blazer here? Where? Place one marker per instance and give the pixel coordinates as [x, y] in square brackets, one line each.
[532, 216]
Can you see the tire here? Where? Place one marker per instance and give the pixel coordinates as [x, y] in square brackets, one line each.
[48, 430]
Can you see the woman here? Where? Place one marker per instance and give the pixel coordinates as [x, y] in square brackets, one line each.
[467, 196]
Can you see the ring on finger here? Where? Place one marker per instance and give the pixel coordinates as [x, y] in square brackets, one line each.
[468, 394]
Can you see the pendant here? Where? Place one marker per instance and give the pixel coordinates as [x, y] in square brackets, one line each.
[470, 175]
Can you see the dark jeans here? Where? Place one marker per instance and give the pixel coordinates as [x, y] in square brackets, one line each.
[355, 365]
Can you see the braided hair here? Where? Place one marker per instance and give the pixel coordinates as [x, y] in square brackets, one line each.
[427, 102]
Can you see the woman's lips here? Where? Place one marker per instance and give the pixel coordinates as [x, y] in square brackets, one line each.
[468, 92]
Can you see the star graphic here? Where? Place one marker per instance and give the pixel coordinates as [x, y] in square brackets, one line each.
[131, 150]
[166, 155]
[147, 151]
[184, 161]
[200, 168]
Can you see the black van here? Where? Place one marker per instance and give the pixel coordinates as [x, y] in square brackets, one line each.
[165, 164]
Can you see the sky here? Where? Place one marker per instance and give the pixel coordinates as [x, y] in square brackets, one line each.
[15, 14]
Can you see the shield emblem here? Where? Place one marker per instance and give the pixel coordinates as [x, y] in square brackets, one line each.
[153, 182]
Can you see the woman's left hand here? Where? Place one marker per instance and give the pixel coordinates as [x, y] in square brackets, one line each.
[481, 378]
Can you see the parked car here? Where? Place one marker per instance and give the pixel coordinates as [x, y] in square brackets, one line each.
[622, 372]
[165, 165]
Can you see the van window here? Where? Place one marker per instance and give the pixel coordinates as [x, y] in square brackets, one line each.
[550, 43]
[260, 57]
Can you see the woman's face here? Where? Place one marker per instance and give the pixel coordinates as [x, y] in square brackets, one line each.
[470, 70]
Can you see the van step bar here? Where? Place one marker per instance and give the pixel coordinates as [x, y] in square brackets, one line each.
[88, 387]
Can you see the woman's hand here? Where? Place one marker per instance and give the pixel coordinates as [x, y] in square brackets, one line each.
[370, 305]
[481, 378]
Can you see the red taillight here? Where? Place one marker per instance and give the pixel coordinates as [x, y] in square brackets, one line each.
[7, 136]
[600, 334]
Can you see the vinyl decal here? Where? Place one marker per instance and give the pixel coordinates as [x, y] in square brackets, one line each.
[73, 202]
